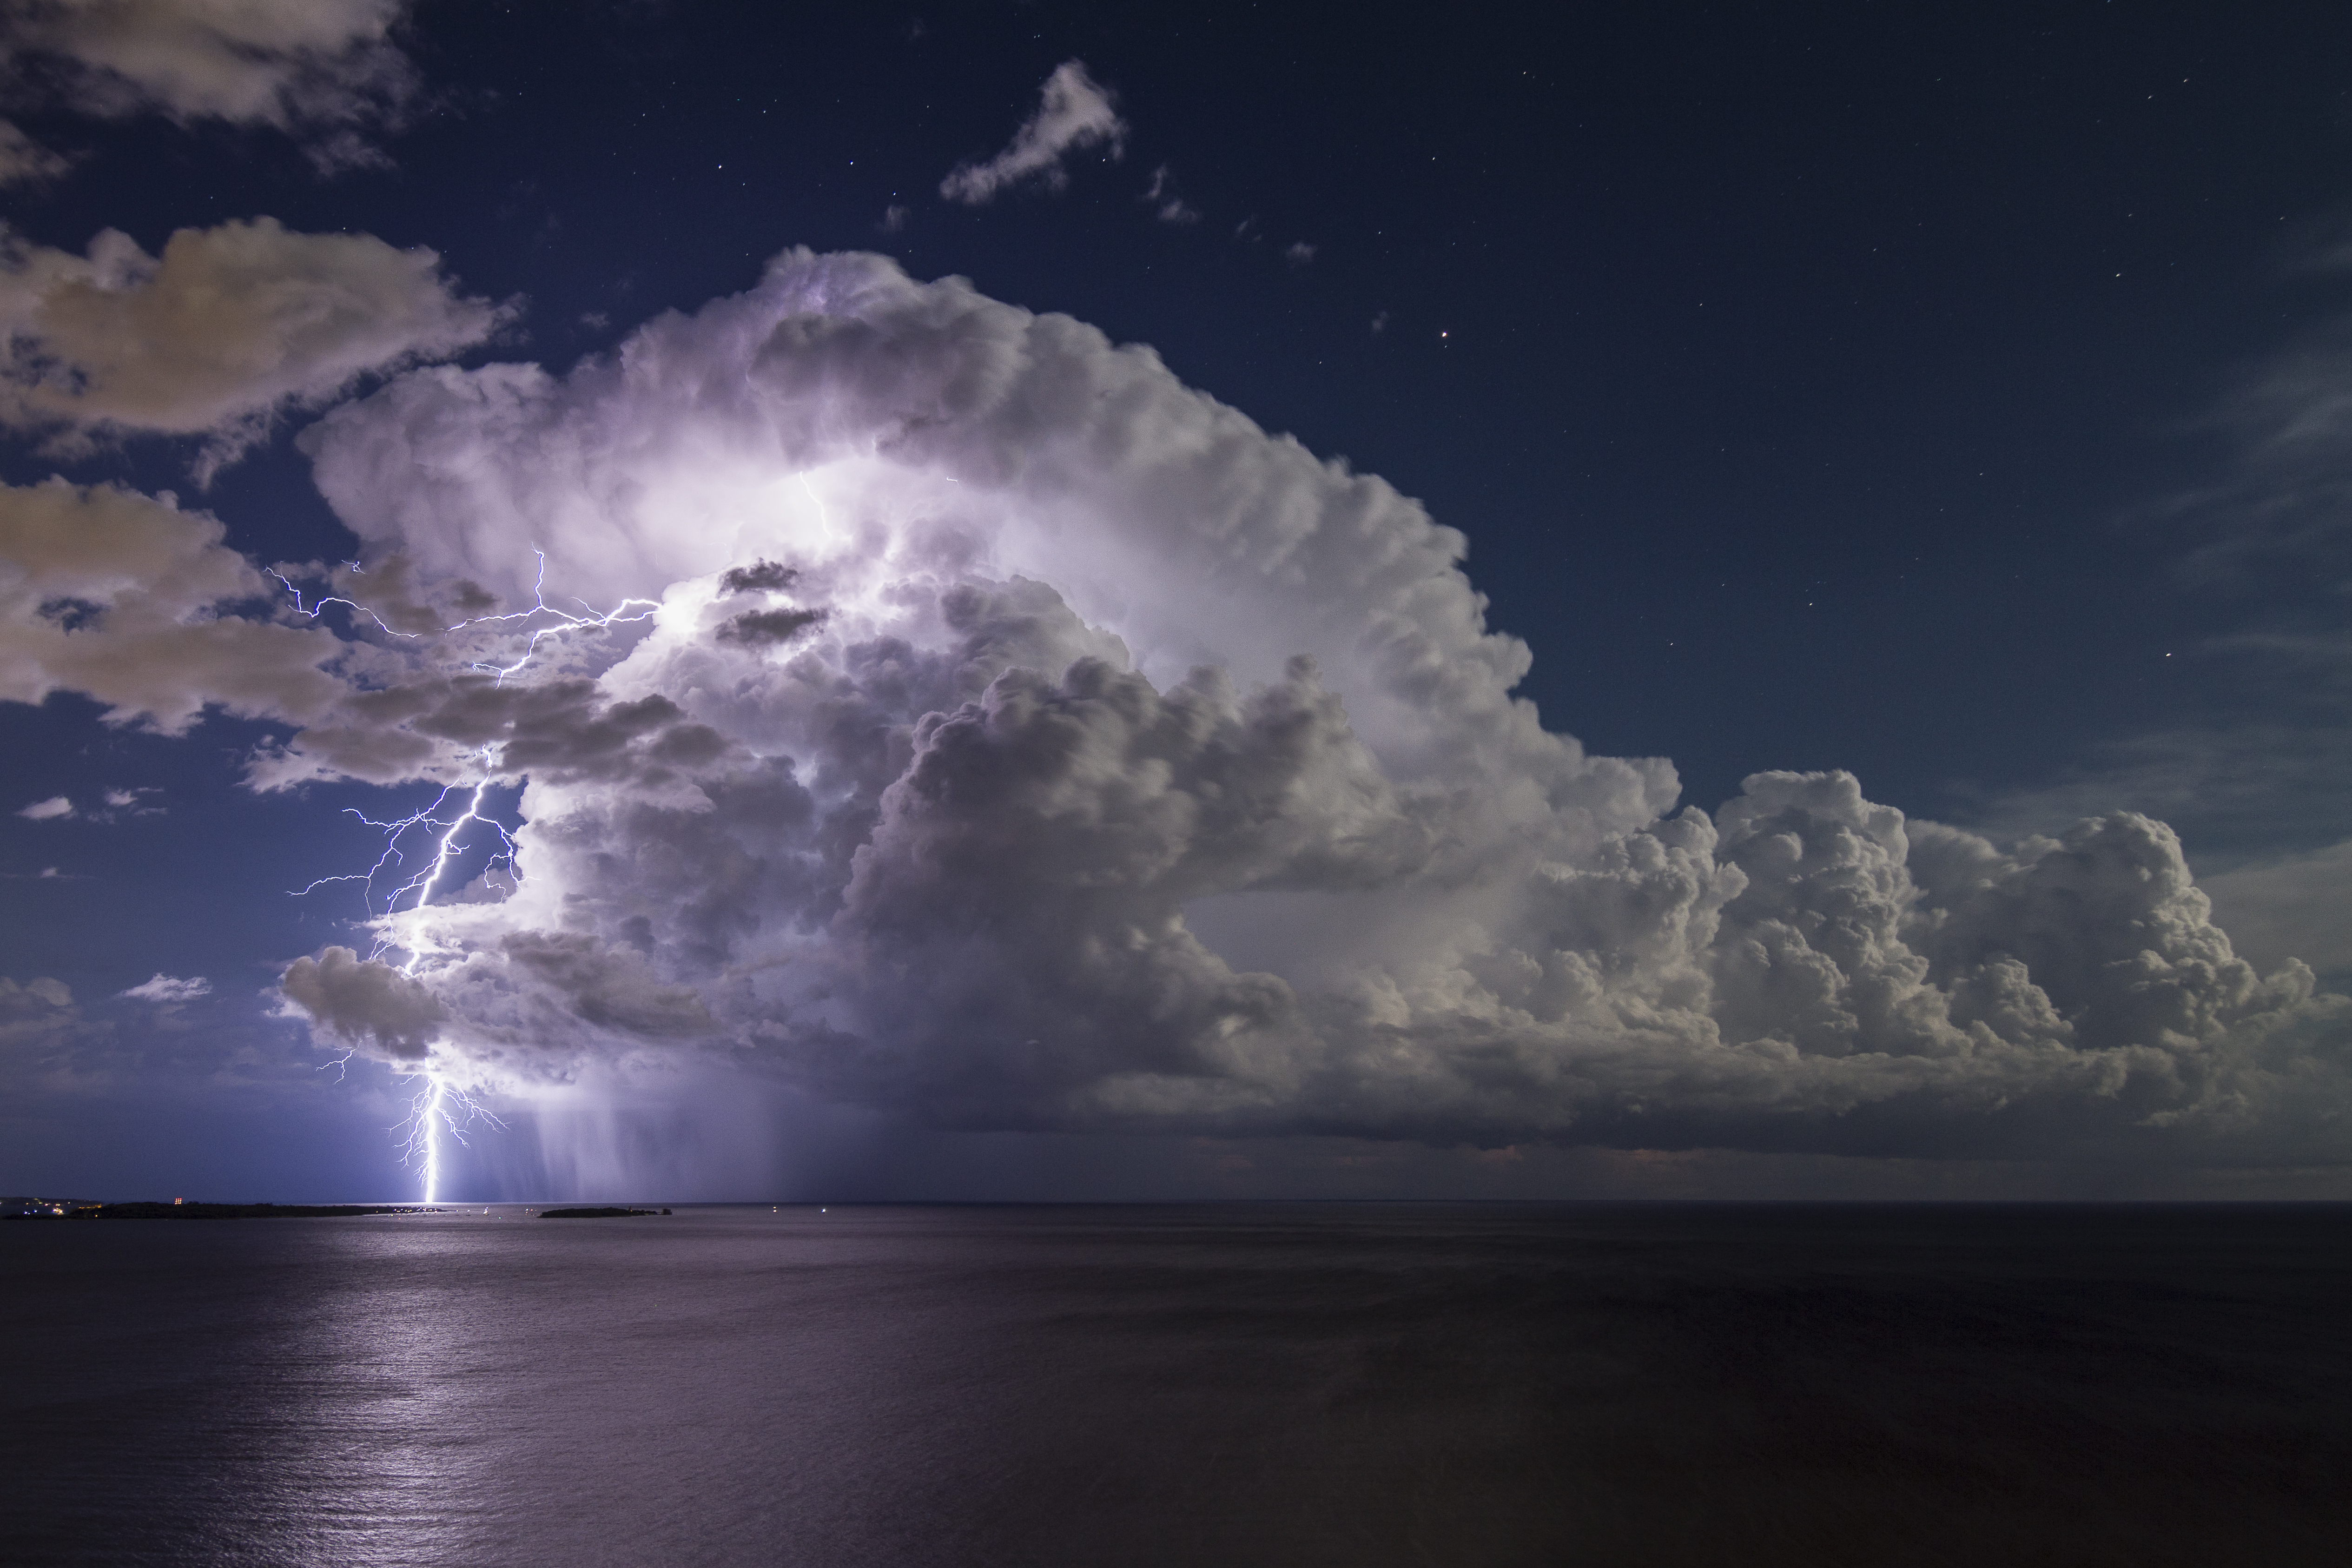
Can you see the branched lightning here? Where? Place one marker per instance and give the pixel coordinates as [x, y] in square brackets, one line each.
[437, 1104]
[627, 613]
[444, 848]
[565, 621]
[313, 610]
[430, 1111]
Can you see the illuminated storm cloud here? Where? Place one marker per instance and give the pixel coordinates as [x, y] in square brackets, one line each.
[1027, 739]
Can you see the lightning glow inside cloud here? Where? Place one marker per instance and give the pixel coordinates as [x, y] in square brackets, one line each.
[1014, 737]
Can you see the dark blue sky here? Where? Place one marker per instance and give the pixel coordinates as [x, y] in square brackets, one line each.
[1837, 387]
[1813, 387]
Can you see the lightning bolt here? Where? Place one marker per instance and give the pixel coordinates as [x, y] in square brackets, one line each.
[565, 621]
[317, 607]
[433, 1109]
[446, 848]
[439, 1105]
[627, 613]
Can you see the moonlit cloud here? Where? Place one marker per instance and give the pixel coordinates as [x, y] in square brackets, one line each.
[120, 596]
[325, 70]
[228, 328]
[1073, 113]
[58, 808]
[164, 990]
[365, 1003]
[2298, 905]
[36, 1016]
[25, 161]
[1023, 739]
[2251, 759]
[1170, 207]
[44, 1040]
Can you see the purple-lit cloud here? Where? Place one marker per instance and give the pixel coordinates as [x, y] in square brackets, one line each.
[1075, 114]
[935, 707]
[1025, 739]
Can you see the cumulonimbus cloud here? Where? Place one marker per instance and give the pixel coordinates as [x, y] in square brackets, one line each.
[1004, 734]
[1073, 113]
[228, 328]
[325, 70]
[1023, 739]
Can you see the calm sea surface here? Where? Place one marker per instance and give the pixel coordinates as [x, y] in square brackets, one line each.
[1220, 1385]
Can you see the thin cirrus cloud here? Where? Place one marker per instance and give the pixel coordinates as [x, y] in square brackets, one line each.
[2297, 904]
[34, 1014]
[25, 161]
[228, 328]
[325, 71]
[60, 808]
[2251, 762]
[165, 989]
[1073, 113]
[1166, 204]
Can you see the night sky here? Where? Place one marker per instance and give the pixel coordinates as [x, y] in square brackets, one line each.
[1956, 402]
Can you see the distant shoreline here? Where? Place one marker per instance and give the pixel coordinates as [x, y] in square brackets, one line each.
[217, 1211]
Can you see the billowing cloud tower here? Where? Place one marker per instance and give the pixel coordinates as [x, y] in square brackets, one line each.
[1010, 736]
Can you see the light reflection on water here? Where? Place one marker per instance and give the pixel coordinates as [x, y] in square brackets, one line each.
[1225, 1384]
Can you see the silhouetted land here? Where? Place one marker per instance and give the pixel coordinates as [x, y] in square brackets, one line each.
[593, 1214]
[17, 1206]
[236, 1211]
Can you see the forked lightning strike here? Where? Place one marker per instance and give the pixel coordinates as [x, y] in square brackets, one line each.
[429, 1111]
[565, 620]
[437, 1104]
[446, 849]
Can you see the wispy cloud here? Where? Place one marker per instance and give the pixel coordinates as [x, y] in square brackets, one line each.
[1073, 113]
[25, 161]
[164, 990]
[324, 72]
[2298, 906]
[1167, 206]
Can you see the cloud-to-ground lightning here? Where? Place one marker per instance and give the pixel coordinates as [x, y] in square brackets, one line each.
[440, 1104]
[436, 1108]
[446, 848]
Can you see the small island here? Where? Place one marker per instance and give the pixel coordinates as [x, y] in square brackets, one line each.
[595, 1214]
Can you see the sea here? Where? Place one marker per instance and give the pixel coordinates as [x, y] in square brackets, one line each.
[1259, 1383]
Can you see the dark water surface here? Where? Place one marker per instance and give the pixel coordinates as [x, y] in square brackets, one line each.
[1220, 1385]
